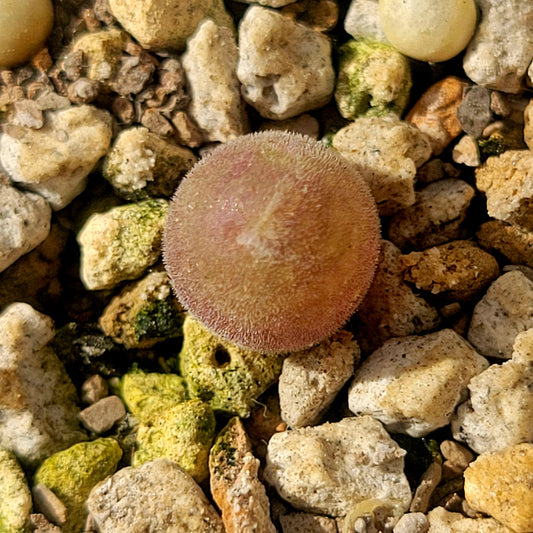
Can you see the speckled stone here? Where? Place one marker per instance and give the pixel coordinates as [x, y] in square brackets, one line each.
[443, 521]
[500, 484]
[413, 384]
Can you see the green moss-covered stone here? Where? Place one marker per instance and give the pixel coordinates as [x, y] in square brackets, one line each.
[15, 497]
[183, 434]
[374, 79]
[72, 473]
[144, 313]
[146, 394]
[229, 378]
[121, 243]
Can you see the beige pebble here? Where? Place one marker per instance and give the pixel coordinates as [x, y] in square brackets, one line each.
[466, 152]
[455, 453]
[428, 483]
[102, 415]
[49, 504]
[501, 485]
[443, 521]
[93, 389]
[528, 124]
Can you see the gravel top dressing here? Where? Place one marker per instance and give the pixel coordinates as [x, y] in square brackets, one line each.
[266, 266]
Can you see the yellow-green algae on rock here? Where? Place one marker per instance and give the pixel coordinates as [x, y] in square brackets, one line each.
[15, 497]
[72, 473]
[182, 434]
[225, 376]
[146, 394]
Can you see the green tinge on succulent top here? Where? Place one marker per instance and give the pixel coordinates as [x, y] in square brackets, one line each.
[225, 376]
[15, 497]
[374, 79]
[72, 473]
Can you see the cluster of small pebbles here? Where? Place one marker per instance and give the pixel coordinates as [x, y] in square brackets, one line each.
[120, 412]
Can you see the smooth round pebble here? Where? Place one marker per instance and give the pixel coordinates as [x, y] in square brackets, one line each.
[428, 30]
[24, 26]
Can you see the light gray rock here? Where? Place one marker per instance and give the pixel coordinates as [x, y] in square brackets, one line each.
[15, 497]
[140, 164]
[412, 523]
[158, 24]
[55, 160]
[310, 379]
[284, 66]
[24, 224]
[504, 311]
[102, 415]
[157, 496]
[436, 217]
[210, 64]
[362, 20]
[121, 243]
[413, 384]
[498, 413]
[49, 504]
[37, 399]
[327, 469]
[501, 50]
[387, 152]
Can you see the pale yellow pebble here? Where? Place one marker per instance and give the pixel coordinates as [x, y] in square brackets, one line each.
[428, 30]
[24, 26]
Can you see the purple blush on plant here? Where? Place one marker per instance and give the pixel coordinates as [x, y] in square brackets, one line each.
[271, 241]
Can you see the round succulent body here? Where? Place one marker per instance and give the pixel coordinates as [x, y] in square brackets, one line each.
[271, 241]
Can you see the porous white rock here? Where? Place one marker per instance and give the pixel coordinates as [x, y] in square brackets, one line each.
[413, 384]
[443, 521]
[37, 399]
[387, 152]
[505, 310]
[502, 47]
[328, 468]
[160, 24]
[498, 413]
[56, 159]
[156, 496]
[310, 379]
[507, 181]
[120, 244]
[24, 224]
[210, 64]
[362, 20]
[284, 67]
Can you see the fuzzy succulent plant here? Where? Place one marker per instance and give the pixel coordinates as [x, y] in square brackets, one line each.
[271, 241]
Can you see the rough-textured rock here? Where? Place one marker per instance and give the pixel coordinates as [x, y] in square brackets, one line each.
[121, 243]
[507, 181]
[210, 64]
[437, 216]
[474, 112]
[25, 222]
[412, 523]
[528, 124]
[362, 20]
[284, 67]
[511, 240]
[15, 497]
[55, 160]
[160, 24]
[443, 521]
[102, 415]
[227, 377]
[502, 47]
[146, 394]
[466, 152]
[504, 311]
[498, 413]
[72, 473]
[435, 113]
[374, 79]
[144, 313]
[458, 270]
[391, 308]
[413, 384]
[157, 496]
[426, 486]
[141, 164]
[183, 434]
[328, 468]
[235, 487]
[310, 379]
[94, 388]
[499, 484]
[37, 399]
[307, 523]
[387, 152]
